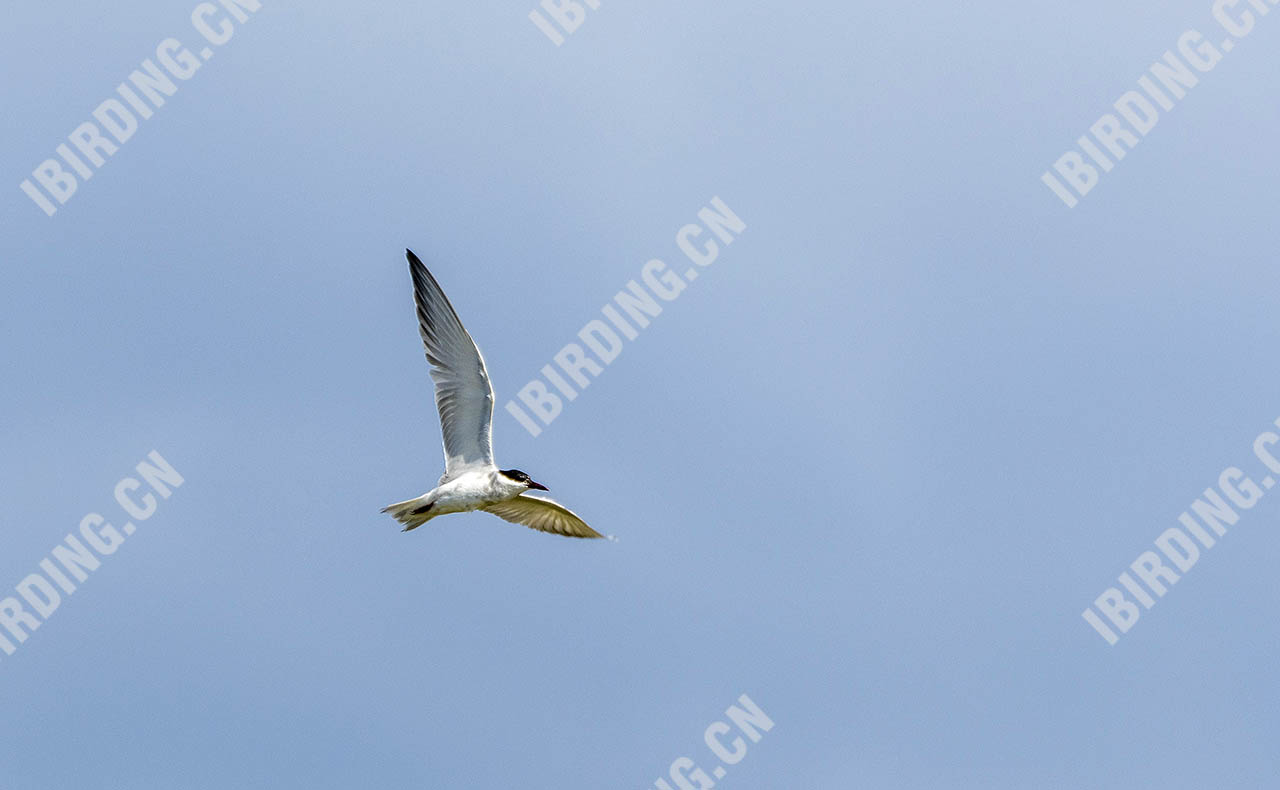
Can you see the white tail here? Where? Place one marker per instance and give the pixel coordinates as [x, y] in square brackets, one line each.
[413, 513]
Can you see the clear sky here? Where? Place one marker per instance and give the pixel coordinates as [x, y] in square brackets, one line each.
[868, 469]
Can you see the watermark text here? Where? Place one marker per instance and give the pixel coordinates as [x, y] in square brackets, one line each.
[39, 595]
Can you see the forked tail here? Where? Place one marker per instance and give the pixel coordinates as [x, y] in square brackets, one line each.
[413, 513]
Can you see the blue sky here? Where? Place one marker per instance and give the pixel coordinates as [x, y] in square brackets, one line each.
[868, 469]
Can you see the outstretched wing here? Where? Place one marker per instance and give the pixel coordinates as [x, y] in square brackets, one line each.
[543, 514]
[464, 396]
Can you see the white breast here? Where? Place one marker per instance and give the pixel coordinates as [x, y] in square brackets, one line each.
[472, 491]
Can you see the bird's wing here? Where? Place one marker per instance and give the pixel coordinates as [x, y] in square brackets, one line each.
[542, 514]
[464, 396]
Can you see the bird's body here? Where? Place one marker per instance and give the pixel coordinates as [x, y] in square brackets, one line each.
[464, 398]
[470, 491]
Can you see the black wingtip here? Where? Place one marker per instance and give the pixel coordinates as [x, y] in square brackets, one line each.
[415, 265]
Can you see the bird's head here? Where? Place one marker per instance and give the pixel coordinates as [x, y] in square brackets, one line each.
[521, 477]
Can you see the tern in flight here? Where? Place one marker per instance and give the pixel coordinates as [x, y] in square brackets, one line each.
[464, 399]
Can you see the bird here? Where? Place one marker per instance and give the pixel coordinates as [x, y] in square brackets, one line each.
[464, 398]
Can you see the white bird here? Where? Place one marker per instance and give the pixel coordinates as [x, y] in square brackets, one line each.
[464, 398]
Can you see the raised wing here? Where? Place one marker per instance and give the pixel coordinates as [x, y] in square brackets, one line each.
[464, 396]
[543, 514]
